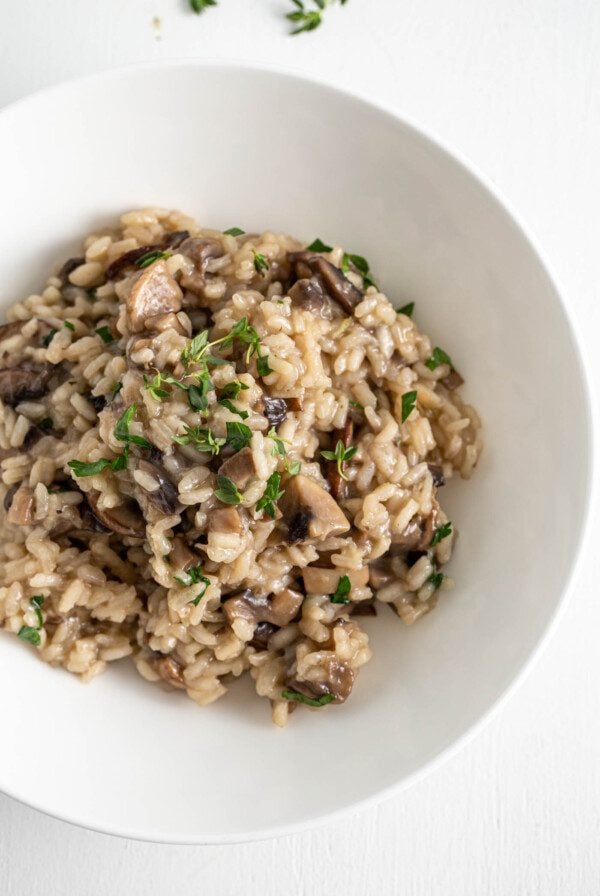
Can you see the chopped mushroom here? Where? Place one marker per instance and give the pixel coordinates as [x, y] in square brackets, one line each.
[310, 511]
[225, 520]
[278, 609]
[437, 474]
[338, 679]
[201, 252]
[275, 409]
[181, 556]
[417, 535]
[125, 519]
[310, 295]
[154, 293]
[68, 267]
[9, 496]
[171, 671]
[239, 468]
[22, 507]
[262, 633]
[331, 278]
[325, 581]
[129, 259]
[11, 329]
[165, 497]
[24, 383]
[452, 381]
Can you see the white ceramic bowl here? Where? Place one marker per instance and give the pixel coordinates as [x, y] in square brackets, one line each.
[248, 147]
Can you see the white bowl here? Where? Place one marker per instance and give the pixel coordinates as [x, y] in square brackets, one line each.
[240, 146]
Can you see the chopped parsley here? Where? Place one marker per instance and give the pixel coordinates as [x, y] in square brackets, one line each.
[319, 246]
[438, 356]
[409, 400]
[231, 407]
[194, 576]
[260, 262]
[150, 257]
[340, 455]
[234, 231]
[278, 444]
[203, 440]
[227, 491]
[105, 335]
[28, 633]
[238, 435]
[48, 338]
[362, 266]
[293, 467]
[323, 700]
[81, 469]
[36, 602]
[271, 495]
[341, 592]
[121, 430]
[116, 389]
[233, 389]
[262, 365]
[199, 6]
[436, 579]
[407, 309]
[357, 405]
[69, 325]
[440, 533]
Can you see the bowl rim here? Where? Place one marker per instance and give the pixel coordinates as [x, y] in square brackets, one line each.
[506, 209]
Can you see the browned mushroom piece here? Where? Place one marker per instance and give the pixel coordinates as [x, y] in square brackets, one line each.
[225, 520]
[22, 507]
[337, 483]
[166, 497]
[274, 409]
[200, 251]
[155, 292]
[11, 329]
[239, 468]
[338, 679]
[278, 609]
[417, 535]
[309, 294]
[168, 321]
[380, 574]
[310, 511]
[23, 383]
[363, 608]
[68, 267]
[9, 496]
[336, 285]
[437, 474]
[324, 580]
[171, 671]
[452, 381]
[125, 519]
[262, 633]
[174, 239]
[181, 556]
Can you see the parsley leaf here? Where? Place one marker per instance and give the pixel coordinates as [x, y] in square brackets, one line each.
[227, 491]
[260, 262]
[319, 246]
[69, 325]
[28, 633]
[202, 439]
[323, 700]
[409, 400]
[407, 309]
[231, 407]
[278, 444]
[233, 389]
[48, 338]
[200, 5]
[340, 455]
[238, 435]
[357, 405]
[121, 430]
[436, 579]
[194, 576]
[341, 592]
[234, 231]
[105, 335]
[150, 257]
[362, 266]
[271, 495]
[440, 533]
[438, 356]
[36, 602]
[81, 469]
[262, 365]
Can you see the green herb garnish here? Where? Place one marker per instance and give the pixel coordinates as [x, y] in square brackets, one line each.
[260, 262]
[105, 335]
[438, 356]
[408, 402]
[262, 365]
[48, 338]
[341, 592]
[69, 325]
[293, 467]
[238, 435]
[309, 701]
[28, 633]
[278, 444]
[82, 469]
[116, 389]
[440, 533]
[357, 405]
[362, 266]
[340, 455]
[150, 257]
[436, 579]
[121, 430]
[233, 389]
[271, 495]
[407, 309]
[200, 5]
[202, 439]
[36, 602]
[231, 407]
[46, 423]
[227, 491]
[234, 231]
[194, 576]
[318, 246]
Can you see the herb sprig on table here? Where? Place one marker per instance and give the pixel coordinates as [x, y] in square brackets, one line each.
[303, 17]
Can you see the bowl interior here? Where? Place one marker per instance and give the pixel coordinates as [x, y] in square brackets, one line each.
[255, 149]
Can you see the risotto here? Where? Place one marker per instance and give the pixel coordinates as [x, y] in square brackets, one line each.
[218, 452]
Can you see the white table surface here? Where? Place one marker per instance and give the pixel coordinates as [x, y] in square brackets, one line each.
[515, 86]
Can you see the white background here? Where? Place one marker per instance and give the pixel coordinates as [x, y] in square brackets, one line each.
[515, 86]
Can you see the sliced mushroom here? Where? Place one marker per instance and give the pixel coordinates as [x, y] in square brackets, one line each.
[181, 556]
[9, 496]
[318, 580]
[168, 321]
[239, 468]
[364, 608]
[98, 402]
[174, 239]
[155, 292]
[275, 409]
[68, 267]
[24, 383]
[310, 511]
[225, 520]
[22, 507]
[380, 574]
[262, 633]
[278, 609]
[125, 519]
[201, 251]
[332, 279]
[452, 381]
[11, 329]
[437, 474]
[171, 671]
[334, 476]
[417, 535]
[338, 679]
[309, 294]
[166, 497]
